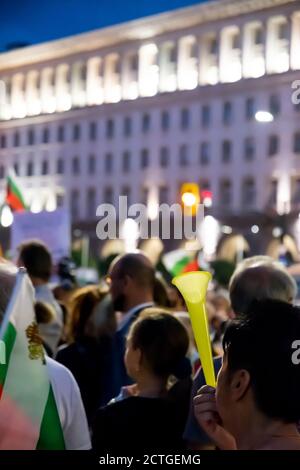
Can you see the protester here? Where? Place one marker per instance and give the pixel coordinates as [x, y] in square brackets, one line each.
[88, 354]
[36, 258]
[256, 278]
[143, 417]
[131, 280]
[251, 409]
[65, 389]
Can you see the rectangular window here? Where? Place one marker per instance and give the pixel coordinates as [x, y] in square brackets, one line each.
[275, 105]
[92, 165]
[165, 121]
[226, 151]
[75, 204]
[185, 119]
[205, 153]
[297, 142]
[91, 203]
[126, 191]
[60, 166]
[30, 137]
[16, 139]
[75, 166]
[249, 149]
[45, 167]
[144, 158]
[108, 195]
[3, 141]
[61, 134]
[205, 116]
[183, 155]
[250, 109]
[146, 121]
[76, 132]
[163, 195]
[108, 163]
[164, 157]
[126, 162]
[45, 136]
[93, 130]
[110, 128]
[30, 168]
[273, 148]
[127, 127]
[227, 113]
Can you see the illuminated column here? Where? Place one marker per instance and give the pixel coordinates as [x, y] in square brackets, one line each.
[78, 84]
[18, 105]
[48, 99]
[187, 63]
[208, 67]
[130, 75]
[230, 55]
[295, 41]
[277, 45]
[32, 93]
[5, 98]
[62, 87]
[94, 82]
[253, 55]
[112, 79]
[148, 70]
[284, 194]
[167, 67]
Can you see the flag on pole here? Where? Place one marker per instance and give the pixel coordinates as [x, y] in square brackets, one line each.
[14, 198]
[28, 413]
[179, 261]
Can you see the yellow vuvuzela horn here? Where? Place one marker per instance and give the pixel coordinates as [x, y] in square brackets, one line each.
[193, 287]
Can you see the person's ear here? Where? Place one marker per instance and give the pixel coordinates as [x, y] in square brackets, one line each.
[239, 384]
[137, 359]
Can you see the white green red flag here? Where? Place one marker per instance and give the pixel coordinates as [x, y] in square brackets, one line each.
[180, 261]
[14, 197]
[29, 417]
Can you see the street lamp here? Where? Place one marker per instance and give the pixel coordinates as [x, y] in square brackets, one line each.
[264, 116]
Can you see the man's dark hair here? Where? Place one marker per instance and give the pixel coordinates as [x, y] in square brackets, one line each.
[138, 267]
[261, 343]
[163, 341]
[36, 258]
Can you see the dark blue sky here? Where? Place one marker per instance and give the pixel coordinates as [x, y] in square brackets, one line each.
[36, 21]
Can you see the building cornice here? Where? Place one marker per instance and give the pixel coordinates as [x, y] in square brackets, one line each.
[136, 30]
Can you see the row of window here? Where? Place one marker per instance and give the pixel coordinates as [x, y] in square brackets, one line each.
[165, 124]
[248, 196]
[205, 157]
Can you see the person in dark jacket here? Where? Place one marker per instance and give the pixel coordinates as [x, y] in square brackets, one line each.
[88, 354]
[146, 416]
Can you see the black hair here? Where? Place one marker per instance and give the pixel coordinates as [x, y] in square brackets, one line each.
[261, 343]
[36, 258]
[163, 341]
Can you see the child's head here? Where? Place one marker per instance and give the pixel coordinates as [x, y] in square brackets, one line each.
[155, 345]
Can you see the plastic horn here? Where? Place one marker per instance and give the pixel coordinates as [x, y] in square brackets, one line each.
[193, 287]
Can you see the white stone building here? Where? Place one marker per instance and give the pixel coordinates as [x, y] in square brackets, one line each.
[139, 108]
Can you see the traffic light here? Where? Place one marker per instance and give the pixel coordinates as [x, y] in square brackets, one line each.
[190, 198]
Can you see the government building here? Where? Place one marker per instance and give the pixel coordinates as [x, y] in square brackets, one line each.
[140, 108]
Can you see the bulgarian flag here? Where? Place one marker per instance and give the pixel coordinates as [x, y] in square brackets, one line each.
[28, 413]
[14, 198]
[179, 261]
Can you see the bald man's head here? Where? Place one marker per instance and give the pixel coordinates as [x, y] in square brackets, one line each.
[132, 280]
[260, 278]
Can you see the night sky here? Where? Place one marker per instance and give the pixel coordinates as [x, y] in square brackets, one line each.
[35, 21]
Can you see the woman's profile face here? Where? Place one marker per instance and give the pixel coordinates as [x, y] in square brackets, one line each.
[223, 397]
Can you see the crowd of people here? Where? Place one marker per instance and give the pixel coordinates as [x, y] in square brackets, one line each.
[124, 367]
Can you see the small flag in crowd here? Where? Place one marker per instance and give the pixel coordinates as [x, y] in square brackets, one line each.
[180, 261]
[28, 413]
[14, 198]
